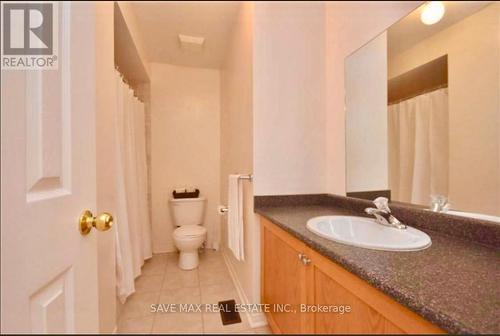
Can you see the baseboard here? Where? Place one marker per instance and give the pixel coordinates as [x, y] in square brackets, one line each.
[254, 319]
[171, 249]
[164, 250]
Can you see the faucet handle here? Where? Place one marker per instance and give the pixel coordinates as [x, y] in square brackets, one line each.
[382, 203]
[439, 203]
[373, 211]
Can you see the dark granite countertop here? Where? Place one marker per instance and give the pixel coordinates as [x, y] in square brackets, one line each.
[454, 284]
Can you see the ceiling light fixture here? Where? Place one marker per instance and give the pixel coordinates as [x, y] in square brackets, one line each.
[432, 13]
[191, 43]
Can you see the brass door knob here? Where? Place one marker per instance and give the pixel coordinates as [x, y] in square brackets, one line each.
[103, 222]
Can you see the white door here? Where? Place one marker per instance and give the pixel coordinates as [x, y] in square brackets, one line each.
[49, 270]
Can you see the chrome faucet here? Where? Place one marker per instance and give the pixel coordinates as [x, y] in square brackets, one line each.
[439, 203]
[383, 214]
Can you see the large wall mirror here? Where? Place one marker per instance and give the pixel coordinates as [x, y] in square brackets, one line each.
[423, 110]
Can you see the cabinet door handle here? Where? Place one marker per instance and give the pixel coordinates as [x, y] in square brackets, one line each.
[305, 260]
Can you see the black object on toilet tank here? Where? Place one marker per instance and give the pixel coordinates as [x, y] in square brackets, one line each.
[186, 194]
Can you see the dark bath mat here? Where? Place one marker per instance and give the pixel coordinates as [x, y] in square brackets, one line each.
[228, 313]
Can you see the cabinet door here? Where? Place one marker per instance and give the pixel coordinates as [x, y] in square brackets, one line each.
[361, 319]
[371, 310]
[283, 279]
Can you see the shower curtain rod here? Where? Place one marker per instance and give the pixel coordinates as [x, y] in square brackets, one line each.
[438, 87]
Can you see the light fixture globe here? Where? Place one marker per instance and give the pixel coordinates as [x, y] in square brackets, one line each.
[432, 13]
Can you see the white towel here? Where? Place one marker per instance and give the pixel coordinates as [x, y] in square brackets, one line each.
[235, 228]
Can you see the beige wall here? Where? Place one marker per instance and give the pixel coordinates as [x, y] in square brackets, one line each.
[273, 115]
[367, 156]
[105, 168]
[143, 93]
[237, 146]
[133, 28]
[289, 98]
[291, 132]
[348, 27]
[295, 93]
[473, 67]
[185, 140]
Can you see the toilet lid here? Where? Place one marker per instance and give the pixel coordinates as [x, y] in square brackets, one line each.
[190, 231]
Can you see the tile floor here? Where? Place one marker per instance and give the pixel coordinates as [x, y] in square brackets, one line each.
[162, 281]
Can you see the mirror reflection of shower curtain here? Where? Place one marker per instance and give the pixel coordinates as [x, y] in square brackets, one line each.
[418, 147]
[133, 227]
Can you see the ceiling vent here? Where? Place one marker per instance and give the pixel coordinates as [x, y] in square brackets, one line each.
[191, 43]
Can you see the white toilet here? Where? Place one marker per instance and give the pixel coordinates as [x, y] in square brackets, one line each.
[189, 233]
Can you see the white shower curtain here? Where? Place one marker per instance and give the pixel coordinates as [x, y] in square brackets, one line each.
[133, 227]
[418, 147]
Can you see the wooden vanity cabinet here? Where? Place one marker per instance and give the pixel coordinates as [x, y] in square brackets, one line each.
[293, 274]
[284, 283]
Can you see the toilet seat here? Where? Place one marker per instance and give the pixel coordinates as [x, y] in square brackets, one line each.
[190, 231]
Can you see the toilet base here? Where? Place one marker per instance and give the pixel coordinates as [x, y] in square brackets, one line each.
[188, 260]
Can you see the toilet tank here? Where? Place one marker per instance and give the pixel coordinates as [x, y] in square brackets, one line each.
[187, 211]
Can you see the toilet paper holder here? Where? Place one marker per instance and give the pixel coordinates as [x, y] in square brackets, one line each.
[222, 209]
[246, 177]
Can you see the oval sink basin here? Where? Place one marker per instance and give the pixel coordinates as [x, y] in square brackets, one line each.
[367, 233]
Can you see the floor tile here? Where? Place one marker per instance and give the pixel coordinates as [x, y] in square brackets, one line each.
[178, 323]
[148, 283]
[162, 281]
[141, 325]
[262, 330]
[212, 323]
[139, 305]
[208, 259]
[172, 258]
[160, 258]
[177, 278]
[154, 266]
[210, 256]
[181, 295]
[214, 275]
[212, 294]
[247, 332]
[212, 265]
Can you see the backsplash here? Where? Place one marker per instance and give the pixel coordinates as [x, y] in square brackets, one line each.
[479, 231]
